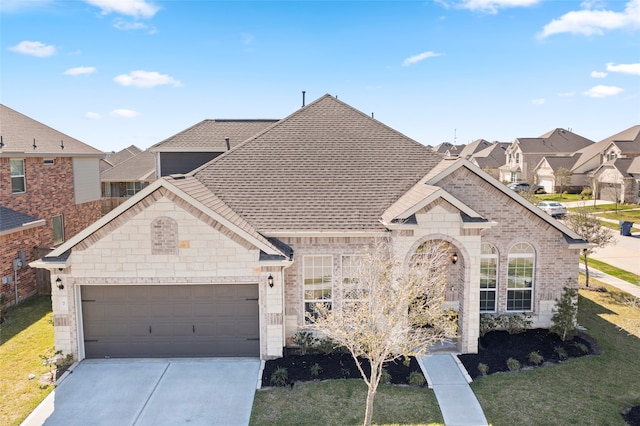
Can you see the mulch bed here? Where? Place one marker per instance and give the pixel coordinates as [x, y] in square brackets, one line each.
[332, 366]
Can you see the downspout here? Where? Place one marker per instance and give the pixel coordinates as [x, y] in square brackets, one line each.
[284, 304]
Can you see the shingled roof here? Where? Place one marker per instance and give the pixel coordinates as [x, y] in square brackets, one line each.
[327, 167]
[13, 221]
[139, 168]
[554, 141]
[210, 135]
[20, 133]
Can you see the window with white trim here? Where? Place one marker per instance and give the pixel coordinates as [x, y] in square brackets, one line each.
[317, 281]
[134, 187]
[18, 182]
[520, 275]
[58, 229]
[488, 277]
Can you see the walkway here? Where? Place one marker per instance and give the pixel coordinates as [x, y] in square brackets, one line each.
[450, 382]
[633, 290]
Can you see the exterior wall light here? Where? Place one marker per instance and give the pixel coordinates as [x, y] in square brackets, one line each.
[59, 283]
[454, 258]
[270, 281]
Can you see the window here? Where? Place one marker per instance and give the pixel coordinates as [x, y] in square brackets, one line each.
[488, 277]
[134, 187]
[18, 184]
[517, 158]
[317, 281]
[49, 161]
[612, 156]
[520, 278]
[58, 229]
[351, 288]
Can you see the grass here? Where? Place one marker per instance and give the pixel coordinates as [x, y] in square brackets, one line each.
[601, 208]
[342, 402]
[26, 335]
[591, 390]
[627, 276]
[626, 215]
[560, 197]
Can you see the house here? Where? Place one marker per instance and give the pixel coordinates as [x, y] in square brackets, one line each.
[226, 260]
[202, 142]
[448, 149]
[546, 171]
[127, 173]
[595, 166]
[488, 156]
[50, 191]
[524, 154]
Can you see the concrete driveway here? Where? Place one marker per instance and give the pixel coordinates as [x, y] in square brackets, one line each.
[146, 392]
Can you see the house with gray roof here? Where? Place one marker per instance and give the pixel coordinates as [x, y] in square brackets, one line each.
[524, 154]
[226, 260]
[50, 191]
[126, 176]
[488, 156]
[202, 142]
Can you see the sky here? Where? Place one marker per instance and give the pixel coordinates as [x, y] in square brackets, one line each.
[115, 73]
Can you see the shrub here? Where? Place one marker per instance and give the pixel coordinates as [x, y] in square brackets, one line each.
[280, 377]
[581, 347]
[416, 379]
[326, 345]
[385, 377]
[564, 318]
[561, 352]
[586, 192]
[315, 370]
[406, 361]
[535, 358]
[513, 364]
[489, 322]
[483, 368]
[305, 340]
[517, 323]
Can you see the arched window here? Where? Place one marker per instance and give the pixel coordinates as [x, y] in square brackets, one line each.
[520, 275]
[488, 277]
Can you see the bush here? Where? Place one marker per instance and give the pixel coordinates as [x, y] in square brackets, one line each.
[564, 318]
[385, 377]
[581, 347]
[561, 352]
[280, 377]
[483, 368]
[305, 340]
[517, 323]
[489, 322]
[586, 192]
[513, 364]
[326, 345]
[416, 379]
[535, 358]
[315, 370]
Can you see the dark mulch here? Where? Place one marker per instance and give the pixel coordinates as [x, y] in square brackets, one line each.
[332, 366]
[632, 416]
[497, 346]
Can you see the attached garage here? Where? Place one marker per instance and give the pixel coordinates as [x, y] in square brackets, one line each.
[610, 191]
[124, 321]
[547, 184]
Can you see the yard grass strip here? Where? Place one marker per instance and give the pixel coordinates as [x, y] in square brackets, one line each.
[25, 337]
[627, 276]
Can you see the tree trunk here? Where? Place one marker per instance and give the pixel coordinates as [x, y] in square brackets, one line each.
[368, 414]
[586, 270]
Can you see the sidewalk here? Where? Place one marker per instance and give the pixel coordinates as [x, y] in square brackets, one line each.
[458, 403]
[622, 285]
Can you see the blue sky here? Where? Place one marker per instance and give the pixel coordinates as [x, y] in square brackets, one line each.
[113, 73]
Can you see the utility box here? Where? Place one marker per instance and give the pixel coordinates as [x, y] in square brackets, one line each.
[625, 228]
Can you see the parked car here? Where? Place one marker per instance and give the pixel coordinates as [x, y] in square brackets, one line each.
[524, 186]
[553, 208]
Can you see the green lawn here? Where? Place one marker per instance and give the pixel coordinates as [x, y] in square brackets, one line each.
[563, 198]
[627, 276]
[601, 208]
[26, 335]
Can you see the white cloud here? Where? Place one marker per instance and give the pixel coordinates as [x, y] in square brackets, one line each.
[93, 115]
[598, 74]
[601, 91]
[593, 20]
[134, 8]
[146, 79]
[566, 94]
[487, 6]
[124, 113]
[624, 68]
[539, 101]
[80, 71]
[124, 25]
[420, 57]
[34, 48]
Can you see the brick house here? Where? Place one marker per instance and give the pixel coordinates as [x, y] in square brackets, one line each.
[226, 260]
[50, 191]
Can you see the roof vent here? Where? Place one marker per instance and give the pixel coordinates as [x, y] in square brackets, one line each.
[303, 100]
[228, 144]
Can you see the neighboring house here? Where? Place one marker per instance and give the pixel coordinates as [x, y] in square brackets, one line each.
[594, 166]
[114, 158]
[524, 154]
[50, 191]
[226, 260]
[202, 142]
[490, 157]
[448, 149]
[126, 178]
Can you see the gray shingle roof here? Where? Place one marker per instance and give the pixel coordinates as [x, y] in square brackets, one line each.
[10, 219]
[326, 167]
[19, 131]
[209, 135]
[139, 168]
[116, 158]
[555, 141]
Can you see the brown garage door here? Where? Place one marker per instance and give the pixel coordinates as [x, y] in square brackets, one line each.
[171, 321]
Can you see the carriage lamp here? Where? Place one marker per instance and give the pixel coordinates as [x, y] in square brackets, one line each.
[454, 258]
[270, 281]
[59, 283]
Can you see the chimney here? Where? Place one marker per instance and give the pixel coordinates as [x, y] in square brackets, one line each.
[228, 144]
[303, 102]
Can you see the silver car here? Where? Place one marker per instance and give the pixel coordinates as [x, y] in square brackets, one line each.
[553, 208]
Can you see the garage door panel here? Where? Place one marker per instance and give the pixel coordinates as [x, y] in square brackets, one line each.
[171, 321]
